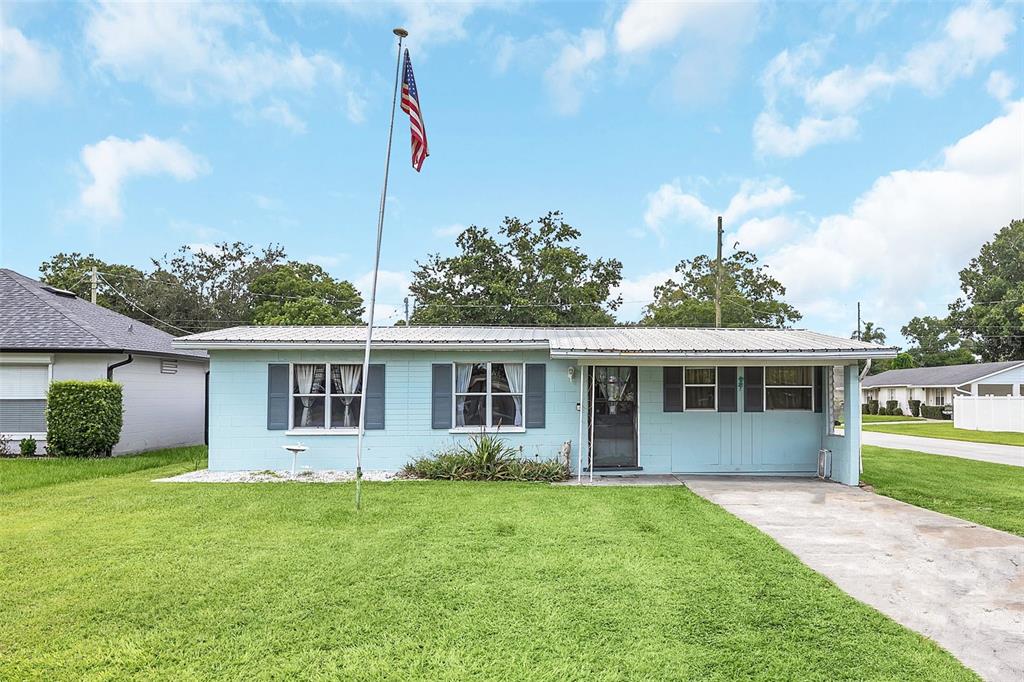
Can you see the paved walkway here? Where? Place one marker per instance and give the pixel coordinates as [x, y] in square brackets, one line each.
[1000, 454]
[958, 583]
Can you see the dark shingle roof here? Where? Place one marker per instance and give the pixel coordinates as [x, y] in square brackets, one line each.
[36, 317]
[950, 375]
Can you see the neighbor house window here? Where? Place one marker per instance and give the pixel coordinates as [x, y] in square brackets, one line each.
[940, 398]
[789, 388]
[23, 390]
[892, 394]
[699, 388]
[488, 394]
[326, 396]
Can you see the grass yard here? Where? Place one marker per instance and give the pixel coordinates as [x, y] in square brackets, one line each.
[25, 473]
[882, 418]
[982, 492]
[933, 429]
[117, 577]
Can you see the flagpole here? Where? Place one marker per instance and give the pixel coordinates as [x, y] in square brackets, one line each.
[401, 33]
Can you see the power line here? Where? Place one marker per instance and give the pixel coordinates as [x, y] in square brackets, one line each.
[140, 309]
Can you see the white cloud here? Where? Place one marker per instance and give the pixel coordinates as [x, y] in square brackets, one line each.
[637, 292]
[671, 204]
[453, 230]
[280, 113]
[31, 70]
[1000, 85]
[392, 288]
[904, 239]
[573, 72]
[758, 234]
[113, 161]
[972, 35]
[192, 52]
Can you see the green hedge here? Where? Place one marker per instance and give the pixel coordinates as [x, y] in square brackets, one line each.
[872, 407]
[915, 407]
[83, 418]
[933, 412]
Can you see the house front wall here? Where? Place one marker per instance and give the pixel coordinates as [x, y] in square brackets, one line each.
[684, 442]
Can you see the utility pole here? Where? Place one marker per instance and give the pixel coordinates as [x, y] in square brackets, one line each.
[718, 278]
[94, 283]
[858, 321]
[406, 311]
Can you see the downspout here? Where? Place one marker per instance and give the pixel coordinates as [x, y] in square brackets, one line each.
[111, 368]
[864, 372]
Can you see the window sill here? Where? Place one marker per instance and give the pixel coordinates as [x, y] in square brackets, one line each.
[322, 432]
[488, 429]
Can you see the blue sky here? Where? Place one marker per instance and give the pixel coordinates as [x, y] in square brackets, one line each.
[863, 150]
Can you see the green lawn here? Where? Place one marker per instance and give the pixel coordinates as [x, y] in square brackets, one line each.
[945, 429]
[26, 473]
[876, 418]
[982, 492]
[121, 578]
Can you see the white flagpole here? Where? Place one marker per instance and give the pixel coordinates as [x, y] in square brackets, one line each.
[401, 33]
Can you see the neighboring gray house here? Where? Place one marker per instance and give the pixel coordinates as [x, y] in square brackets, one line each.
[938, 385]
[48, 334]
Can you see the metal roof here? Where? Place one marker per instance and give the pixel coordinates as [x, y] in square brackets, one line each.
[950, 375]
[37, 317]
[560, 341]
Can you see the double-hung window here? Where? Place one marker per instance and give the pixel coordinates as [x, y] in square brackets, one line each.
[488, 394]
[326, 395]
[699, 388]
[789, 388]
[23, 389]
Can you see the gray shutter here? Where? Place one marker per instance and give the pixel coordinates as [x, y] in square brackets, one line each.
[726, 389]
[374, 418]
[753, 391]
[277, 397]
[818, 388]
[441, 396]
[536, 395]
[672, 389]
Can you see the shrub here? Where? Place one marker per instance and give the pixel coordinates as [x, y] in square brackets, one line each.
[872, 407]
[883, 411]
[5, 446]
[915, 407]
[891, 405]
[28, 447]
[864, 408]
[896, 411]
[83, 418]
[487, 458]
[933, 412]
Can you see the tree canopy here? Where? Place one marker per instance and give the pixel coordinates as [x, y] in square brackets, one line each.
[531, 272]
[223, 285]
[935, 343]
[991, 311]
[750, 296]
[870, 333]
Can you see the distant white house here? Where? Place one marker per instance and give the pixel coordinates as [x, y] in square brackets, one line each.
[47, 334]
[938, 385]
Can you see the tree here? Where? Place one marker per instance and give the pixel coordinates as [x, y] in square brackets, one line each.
[750, 296]
[991, 313]
[303, 293]
[934, 343]
[902, 361]
[73, 272]
[870, 333]
[531, 274]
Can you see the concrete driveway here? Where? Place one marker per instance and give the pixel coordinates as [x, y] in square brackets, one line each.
[956, 582]
[1000, 454]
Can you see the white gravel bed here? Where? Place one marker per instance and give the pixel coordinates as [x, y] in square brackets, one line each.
[278, 476]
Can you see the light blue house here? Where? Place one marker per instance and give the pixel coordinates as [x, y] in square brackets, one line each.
[656, 400]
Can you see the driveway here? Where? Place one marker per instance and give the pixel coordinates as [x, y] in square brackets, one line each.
[956, 582]
[1000, 454]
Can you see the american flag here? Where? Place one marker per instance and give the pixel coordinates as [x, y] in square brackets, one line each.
[411, 106]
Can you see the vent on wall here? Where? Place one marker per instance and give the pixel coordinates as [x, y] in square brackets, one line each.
[168, 366]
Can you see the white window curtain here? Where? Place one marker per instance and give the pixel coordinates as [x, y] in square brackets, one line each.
[304, 381]
[514, 373]
[463, 374]
[347, 376]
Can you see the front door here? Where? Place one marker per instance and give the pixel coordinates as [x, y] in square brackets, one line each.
[615, 417]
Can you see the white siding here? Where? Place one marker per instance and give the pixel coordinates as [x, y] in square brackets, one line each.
[161, 410]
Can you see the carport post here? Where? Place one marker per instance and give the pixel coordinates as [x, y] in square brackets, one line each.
[849, 472]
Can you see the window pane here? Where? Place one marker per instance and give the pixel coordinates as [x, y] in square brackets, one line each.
[788, 398]
[788, 376]
[22, 416]
[309, 379]
[471, 378]
[700, 397]
[308, 413]
[506, 410]
[471, 410]
[499, 380]
[346, 379]
[700, 375]
[345, 412]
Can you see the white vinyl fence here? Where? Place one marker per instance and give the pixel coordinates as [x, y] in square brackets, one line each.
[989, 413]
